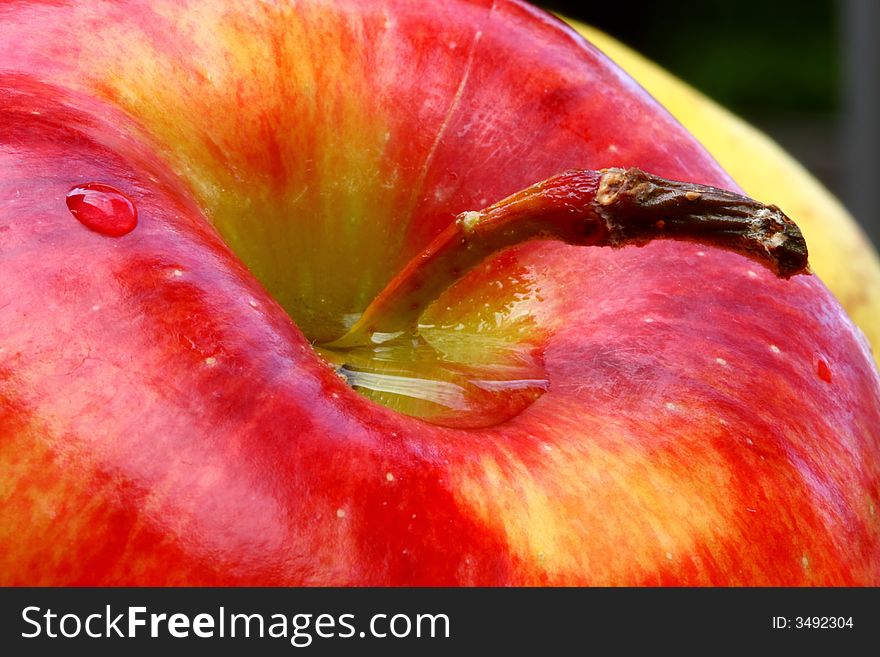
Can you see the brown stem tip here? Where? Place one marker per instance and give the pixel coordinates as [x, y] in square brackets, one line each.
[639, 207]
[613, 207]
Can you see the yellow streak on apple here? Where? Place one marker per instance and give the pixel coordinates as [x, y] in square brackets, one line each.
[529, 505]
[286, 161]
[66, 480]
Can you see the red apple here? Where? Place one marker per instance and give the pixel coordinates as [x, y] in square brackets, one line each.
[198, 198]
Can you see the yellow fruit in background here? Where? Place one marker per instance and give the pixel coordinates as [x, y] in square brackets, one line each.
[840, 253]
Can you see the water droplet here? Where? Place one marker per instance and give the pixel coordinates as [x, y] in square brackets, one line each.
[102, 208]
[823, 371]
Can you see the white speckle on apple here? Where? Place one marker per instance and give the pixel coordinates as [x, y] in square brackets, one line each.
[389, 476]
[669, 556]
[648, 320]
[721, 361]
[701, 253]
[805, 562]
[176, 273]
[210, 361]
[546, 447]
[335, 395]
[752, 274]
[750, 441]
[96, 308]
[414, 516]
[774, 349]
[670, 406]
[340, 513]
[453, 45]
[751, 510]
[612, 148]
[252, 303]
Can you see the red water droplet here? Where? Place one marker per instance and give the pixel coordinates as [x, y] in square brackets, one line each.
[823, 371]
[102, 208]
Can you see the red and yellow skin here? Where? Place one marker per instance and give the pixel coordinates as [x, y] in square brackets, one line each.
[165, 419]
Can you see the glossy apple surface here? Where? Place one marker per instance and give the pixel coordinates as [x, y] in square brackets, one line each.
[164, 418]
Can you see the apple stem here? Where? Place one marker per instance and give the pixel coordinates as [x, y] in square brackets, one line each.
[612, 207]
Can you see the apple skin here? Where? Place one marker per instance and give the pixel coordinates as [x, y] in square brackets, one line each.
[164, 421]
